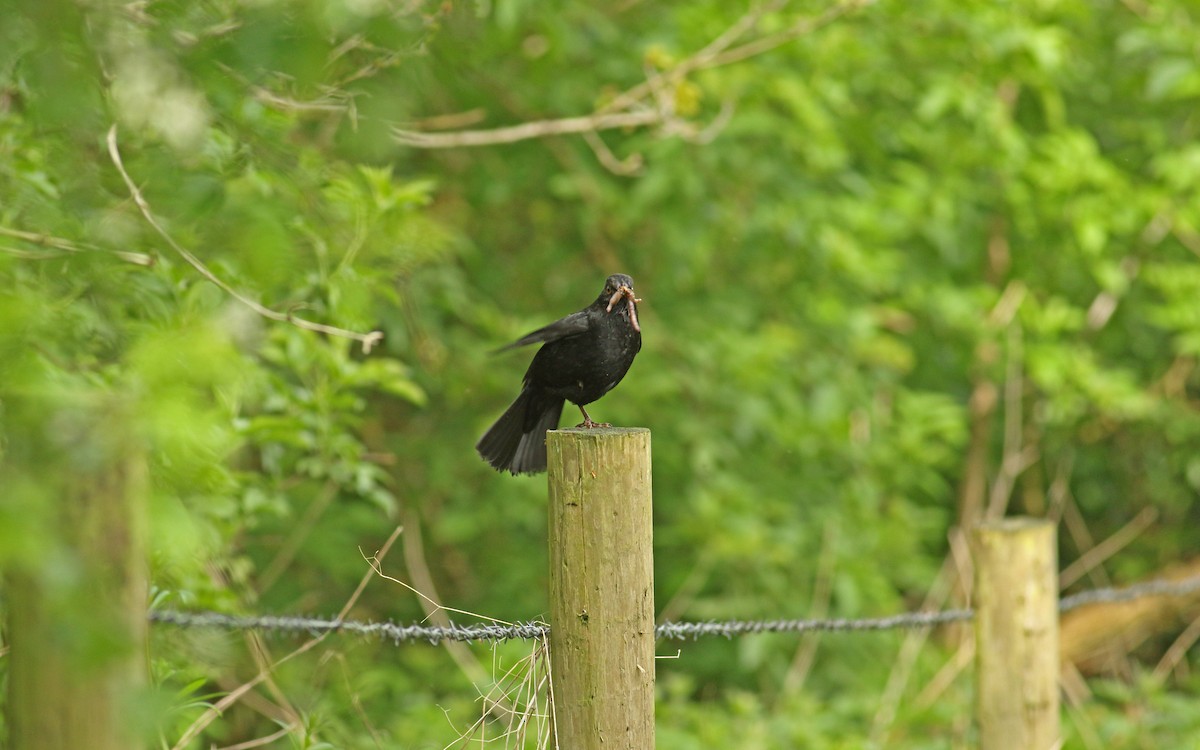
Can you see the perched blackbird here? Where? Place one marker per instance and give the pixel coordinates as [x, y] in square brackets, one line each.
[583, 357]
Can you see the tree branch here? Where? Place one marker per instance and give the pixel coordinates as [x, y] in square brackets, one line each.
[632, 107]
[527, 130]
[63, 246]
[368, 340]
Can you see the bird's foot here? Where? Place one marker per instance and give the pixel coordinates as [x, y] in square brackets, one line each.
[587, 422]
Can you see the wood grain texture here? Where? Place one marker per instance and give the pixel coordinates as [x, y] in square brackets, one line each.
[601, 588]
[1016, 630]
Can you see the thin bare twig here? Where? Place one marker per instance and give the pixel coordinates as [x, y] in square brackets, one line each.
[355, 702]
[801, 28]
[66, 246]
[906, 658]
[215, 711]
[709, 132]
[45, 240]
[259, 703]
[287, 551]
[451, 120]
[248, 744]
[516, 698]
[368, 340]
[946, 676]
[632, 164]
[290, 104]
[418, 571]
[429, 604]
[527, 130]
[1060, 492]
[17, 252]
[632, 107]
[262, 660]
[1077, 528]
[1108, 547]
[692, 583]
[822, 592]
[698, 61]
[1016, 458]
[1175, 655]
[960, 562]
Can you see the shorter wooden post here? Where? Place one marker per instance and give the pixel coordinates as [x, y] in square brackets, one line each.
[1016, 631]
[78, 641]
[601, 589]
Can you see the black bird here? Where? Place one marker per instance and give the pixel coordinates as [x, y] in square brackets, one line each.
[583, 357]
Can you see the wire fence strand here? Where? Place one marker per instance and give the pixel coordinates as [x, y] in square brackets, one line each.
[1182, 587]
[667, 631]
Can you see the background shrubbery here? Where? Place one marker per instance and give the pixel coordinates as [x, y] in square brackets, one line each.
[908, 266]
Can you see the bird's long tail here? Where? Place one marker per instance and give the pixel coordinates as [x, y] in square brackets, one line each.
[517, 441]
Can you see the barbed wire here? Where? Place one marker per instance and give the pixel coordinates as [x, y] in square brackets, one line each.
[668, 630]
[732, 628]
[384, 630]
[1129, 593]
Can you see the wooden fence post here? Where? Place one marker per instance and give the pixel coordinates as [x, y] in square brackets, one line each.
[601, 589]
[78, 645]
[1016, 632]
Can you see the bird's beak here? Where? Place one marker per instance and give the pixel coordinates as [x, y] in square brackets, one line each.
[630, 300]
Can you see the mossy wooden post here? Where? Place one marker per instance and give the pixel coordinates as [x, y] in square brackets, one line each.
[1016, 631]
[601, 589]
[78, 644]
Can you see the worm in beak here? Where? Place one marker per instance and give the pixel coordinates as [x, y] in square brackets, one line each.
[630, 300]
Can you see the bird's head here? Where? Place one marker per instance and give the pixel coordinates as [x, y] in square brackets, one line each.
[618, 287]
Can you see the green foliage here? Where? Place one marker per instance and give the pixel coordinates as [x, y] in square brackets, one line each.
[922, 247]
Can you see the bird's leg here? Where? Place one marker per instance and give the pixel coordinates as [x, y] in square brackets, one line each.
[587, 423]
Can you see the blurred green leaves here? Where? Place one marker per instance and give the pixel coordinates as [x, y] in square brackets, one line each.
[920, 242]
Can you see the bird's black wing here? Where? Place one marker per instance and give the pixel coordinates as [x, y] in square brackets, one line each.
[571, 325]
